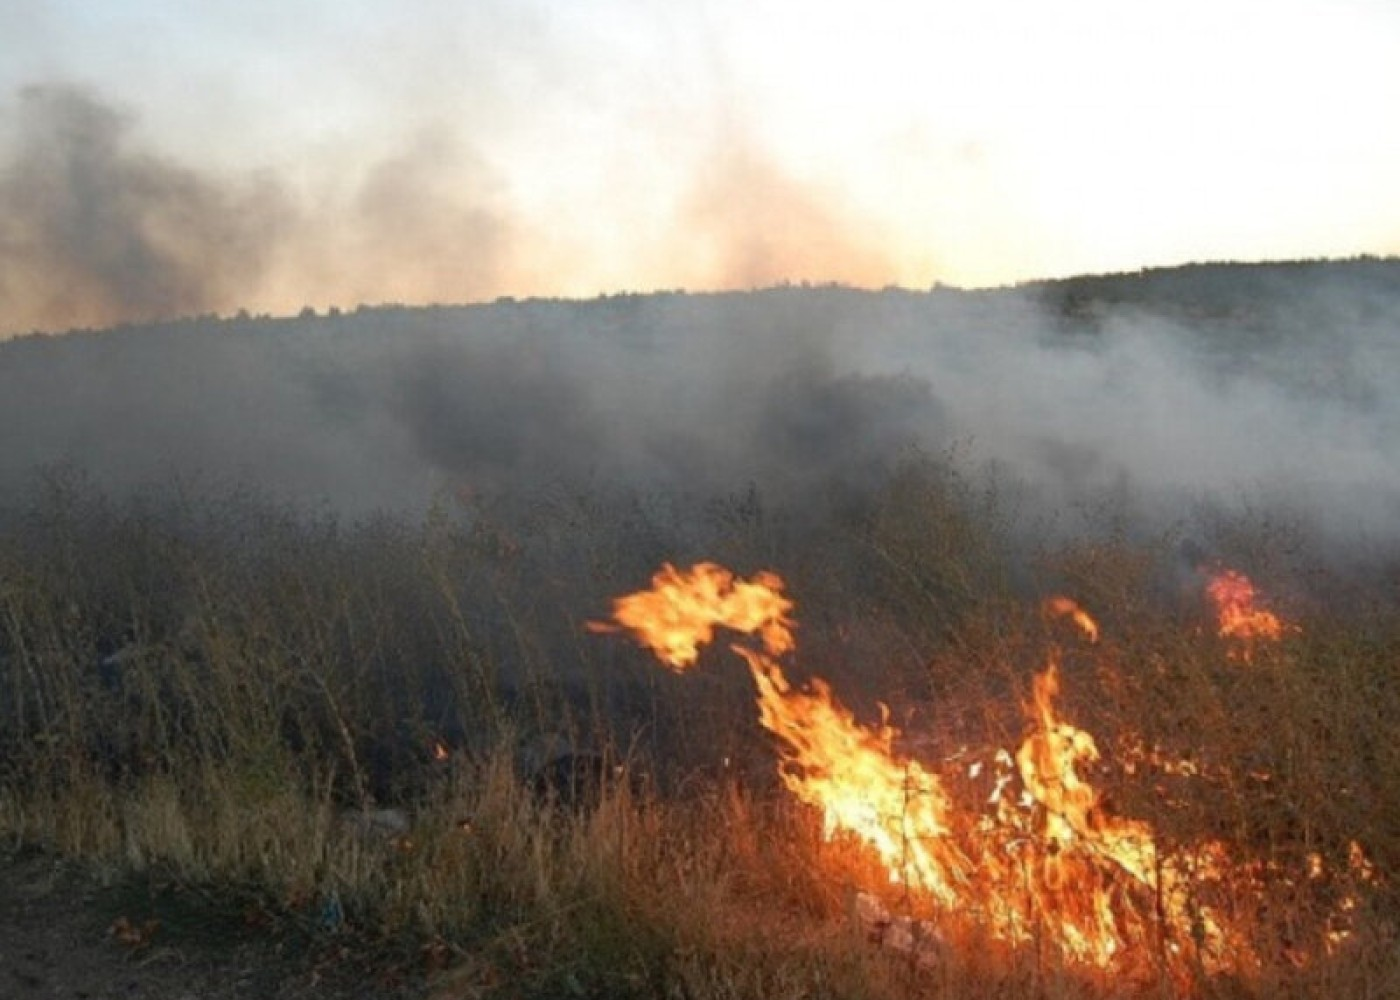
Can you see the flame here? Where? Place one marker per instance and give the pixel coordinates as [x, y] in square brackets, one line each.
[679, 614]
[852, 774]
[1082, 839]
[1233, 595]
[1052, 863]
[1069, 608]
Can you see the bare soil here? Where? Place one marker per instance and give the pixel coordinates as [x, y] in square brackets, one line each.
[68, 932]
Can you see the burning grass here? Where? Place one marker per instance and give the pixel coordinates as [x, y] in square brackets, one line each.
[1043, 860]
[919, 771]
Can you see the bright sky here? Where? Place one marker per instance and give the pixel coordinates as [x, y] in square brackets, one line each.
[578, 146]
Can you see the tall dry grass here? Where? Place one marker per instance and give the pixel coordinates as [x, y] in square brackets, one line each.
[227, 692]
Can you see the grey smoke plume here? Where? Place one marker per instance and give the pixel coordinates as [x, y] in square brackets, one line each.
[1160, 392]
[94, 232]
[97, 230]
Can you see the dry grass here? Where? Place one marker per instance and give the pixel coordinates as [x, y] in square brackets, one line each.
[221, 691]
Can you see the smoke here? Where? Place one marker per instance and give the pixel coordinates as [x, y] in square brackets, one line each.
[97, 228]
[94, 232]
[1171, 392]
[430, 222]
[749, 224]
[388, 407]
[497, 415]
[1169, 404]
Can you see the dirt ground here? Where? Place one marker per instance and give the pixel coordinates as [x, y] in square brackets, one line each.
[66, 932]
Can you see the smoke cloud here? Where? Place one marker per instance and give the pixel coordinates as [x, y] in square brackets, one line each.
[94, 232]
[749, 225]
[1173, 391]
[97, 228]
[1171, 395]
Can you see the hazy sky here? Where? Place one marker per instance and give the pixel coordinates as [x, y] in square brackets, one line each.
[271, 155]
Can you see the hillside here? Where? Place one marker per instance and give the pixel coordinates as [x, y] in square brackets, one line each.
[1187, 384]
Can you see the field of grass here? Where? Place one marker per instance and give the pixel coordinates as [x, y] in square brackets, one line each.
[360, 728]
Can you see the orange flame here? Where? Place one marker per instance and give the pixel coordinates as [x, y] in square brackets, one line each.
[1069, 608]
[1053, 863]
[1233, 595]
[851, 773]
[1082, 840]
[679, 614]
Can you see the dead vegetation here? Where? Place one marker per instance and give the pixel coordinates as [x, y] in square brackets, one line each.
[404, 736]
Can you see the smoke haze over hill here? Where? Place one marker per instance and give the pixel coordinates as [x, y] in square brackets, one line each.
[1172, 391]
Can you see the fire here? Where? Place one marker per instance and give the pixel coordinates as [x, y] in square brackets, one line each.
[1069, 608]
[1048, 762]
[679, 614]
[1233, 595]
[1052, 863]
[852, 774]
[1082, 839]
